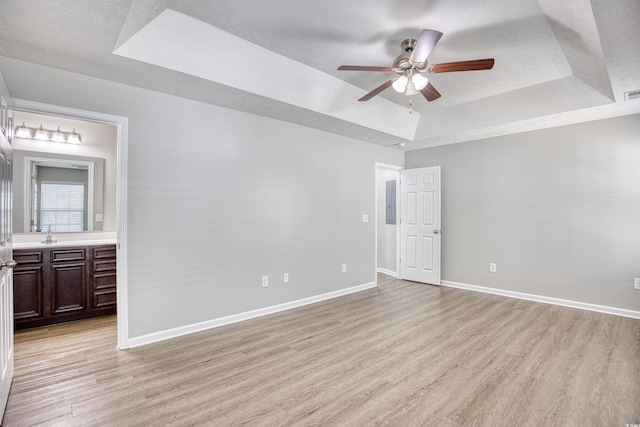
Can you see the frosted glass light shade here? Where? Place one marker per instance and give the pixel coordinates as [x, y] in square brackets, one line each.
[41, 134]
[419, 81]
[23, 131]
[74, 138]
[400, 85]
[411, 89]
[58, 136]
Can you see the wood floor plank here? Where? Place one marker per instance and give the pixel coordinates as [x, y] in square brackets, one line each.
[401, 354]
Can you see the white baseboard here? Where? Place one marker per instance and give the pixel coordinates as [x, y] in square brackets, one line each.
[387, 272]
[548, 300]
[209, 324]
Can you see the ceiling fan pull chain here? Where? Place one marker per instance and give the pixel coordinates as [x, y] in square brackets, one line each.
[410, 106]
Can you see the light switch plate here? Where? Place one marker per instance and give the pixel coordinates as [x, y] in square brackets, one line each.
[636, 283]
[98, 217]
[365, 218]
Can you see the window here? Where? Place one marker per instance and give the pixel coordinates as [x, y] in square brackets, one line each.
[62, 206]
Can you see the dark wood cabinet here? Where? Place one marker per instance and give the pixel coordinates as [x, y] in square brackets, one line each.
[103, 278]
[60, 284]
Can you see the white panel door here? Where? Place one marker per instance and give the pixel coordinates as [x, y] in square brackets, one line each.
[420, 225]
[6, 276]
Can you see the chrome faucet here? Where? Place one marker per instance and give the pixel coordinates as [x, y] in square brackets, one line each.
[49, 238]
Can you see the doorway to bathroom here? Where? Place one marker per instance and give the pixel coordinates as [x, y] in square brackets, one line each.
[103, 146]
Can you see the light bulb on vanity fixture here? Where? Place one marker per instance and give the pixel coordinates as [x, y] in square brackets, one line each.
[41, 134]
[58, 136]
[25, 132]
[74, 138]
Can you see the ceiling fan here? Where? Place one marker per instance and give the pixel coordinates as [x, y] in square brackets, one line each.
[412, 62]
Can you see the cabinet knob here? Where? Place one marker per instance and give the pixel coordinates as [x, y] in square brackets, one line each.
[9, 264]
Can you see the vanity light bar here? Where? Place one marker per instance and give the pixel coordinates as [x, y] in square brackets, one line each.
[23, 131]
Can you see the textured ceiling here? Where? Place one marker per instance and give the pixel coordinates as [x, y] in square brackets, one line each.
[556, 62]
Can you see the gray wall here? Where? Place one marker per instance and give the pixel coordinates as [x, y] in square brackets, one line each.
[558, 210]
[218, 198]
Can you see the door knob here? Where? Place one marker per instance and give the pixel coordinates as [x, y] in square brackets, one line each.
[9, 264]
[435, 231]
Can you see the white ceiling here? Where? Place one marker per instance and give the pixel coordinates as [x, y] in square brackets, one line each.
[557, 62]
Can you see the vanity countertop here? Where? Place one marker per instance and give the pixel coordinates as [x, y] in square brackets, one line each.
[63, 243]
[34, 240]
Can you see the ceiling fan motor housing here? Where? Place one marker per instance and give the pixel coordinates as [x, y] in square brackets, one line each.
[401, 63]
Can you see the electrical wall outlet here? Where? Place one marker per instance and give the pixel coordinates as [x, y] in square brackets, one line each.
[636, 283]
[286, 277]
[344, 268]
[492, 267]
[265, 281]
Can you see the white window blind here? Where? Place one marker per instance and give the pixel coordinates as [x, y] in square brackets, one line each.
[62, 206]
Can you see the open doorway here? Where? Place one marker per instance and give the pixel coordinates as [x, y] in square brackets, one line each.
[387, 219]
[104, 138]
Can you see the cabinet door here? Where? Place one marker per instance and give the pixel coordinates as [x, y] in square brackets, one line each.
[68, 283]
[28, 292]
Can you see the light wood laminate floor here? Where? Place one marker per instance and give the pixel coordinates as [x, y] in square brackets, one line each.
[403, 354]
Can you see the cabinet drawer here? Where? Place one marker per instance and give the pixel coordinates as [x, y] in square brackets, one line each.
[106, 265]
[104, 252]
[75, 254]
[26, 256]
[104, 281]
[104, 299]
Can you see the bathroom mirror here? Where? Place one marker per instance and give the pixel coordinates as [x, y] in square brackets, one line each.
[62, 191]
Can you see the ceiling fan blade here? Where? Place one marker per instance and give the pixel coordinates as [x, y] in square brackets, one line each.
[377, 90]
[425, 44]
[430, 93]
[448, 67]
[364, 68]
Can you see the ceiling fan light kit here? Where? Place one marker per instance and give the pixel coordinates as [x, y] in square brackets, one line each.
[412, 62]
[410, 83]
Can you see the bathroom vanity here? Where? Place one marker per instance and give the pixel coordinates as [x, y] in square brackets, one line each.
[62, 282]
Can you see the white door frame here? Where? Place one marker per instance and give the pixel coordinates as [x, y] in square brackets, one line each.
[396, 169]
[122, 136]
